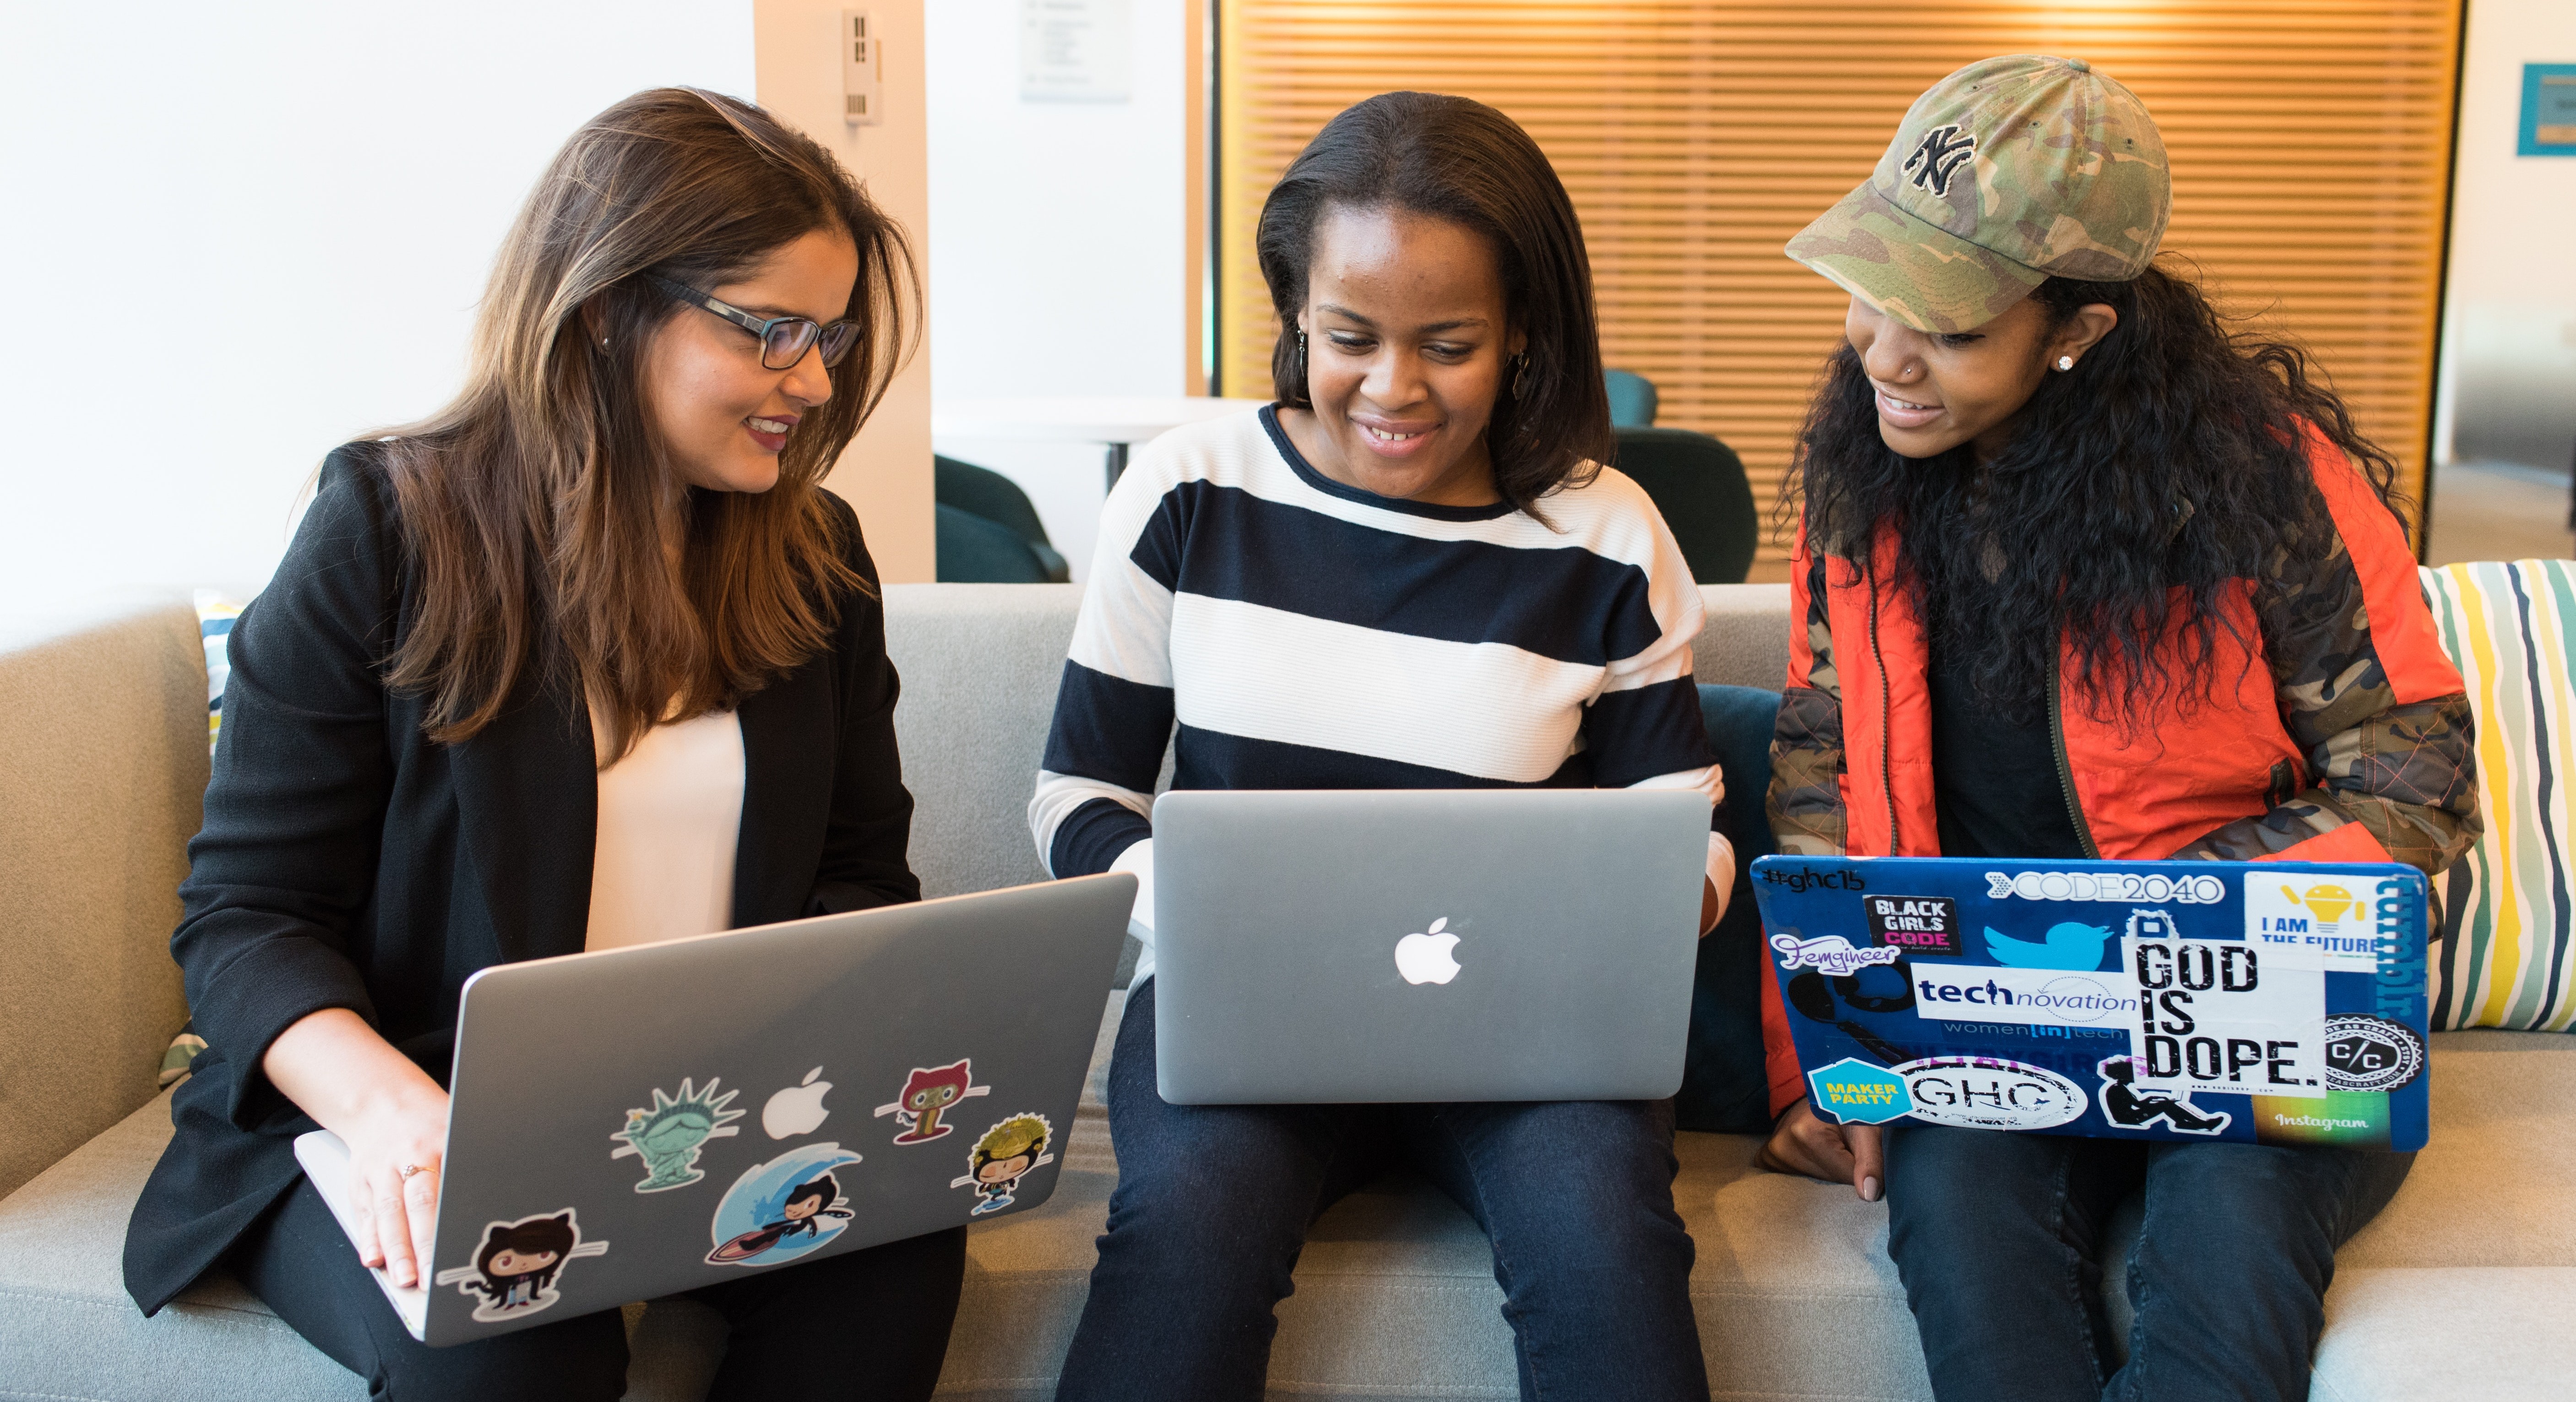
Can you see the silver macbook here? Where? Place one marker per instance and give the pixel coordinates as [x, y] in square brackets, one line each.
[639, 1121]
[1425, 944]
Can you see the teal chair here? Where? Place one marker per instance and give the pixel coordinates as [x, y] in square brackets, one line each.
[1632, 399]
[1700, 486]
[988, 533]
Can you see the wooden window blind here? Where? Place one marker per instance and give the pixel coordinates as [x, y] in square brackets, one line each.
[2310, 141]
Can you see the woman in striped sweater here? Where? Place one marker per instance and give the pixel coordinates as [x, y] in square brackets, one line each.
[1409, 572]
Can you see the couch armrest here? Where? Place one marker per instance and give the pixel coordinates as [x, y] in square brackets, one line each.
[102, 783]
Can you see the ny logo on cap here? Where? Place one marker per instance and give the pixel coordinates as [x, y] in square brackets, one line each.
[1942, 151]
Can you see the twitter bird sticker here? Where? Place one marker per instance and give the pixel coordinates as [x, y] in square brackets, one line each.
[2070, 945]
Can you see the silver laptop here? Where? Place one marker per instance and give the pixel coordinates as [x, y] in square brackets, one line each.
[1425, 944]
[639, 1121]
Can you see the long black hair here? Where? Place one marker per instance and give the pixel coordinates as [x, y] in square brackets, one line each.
[2168, 464]
[1457, 159]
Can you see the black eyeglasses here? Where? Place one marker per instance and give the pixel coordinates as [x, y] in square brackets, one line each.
[783, 339]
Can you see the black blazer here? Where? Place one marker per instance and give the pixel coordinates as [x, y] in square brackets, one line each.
[348, 862]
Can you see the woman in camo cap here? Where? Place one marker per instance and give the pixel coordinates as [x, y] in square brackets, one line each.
[2082, 575]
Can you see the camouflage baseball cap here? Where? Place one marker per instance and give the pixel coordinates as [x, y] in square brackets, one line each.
[2005, 173]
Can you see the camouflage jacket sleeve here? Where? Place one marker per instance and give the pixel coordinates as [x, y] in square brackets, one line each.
[2405, 771]
[1805, 803]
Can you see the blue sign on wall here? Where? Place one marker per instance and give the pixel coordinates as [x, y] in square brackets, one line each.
[2548, 110]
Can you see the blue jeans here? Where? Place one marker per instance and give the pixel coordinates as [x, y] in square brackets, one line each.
[1213, 1203]
[1998, 1238]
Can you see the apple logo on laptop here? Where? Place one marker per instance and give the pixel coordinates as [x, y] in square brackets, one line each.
[797, 1109]
[1424, 957]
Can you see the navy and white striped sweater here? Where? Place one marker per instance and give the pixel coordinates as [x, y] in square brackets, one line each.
[1310, 635]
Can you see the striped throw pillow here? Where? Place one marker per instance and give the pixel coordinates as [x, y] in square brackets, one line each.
[2508, 957]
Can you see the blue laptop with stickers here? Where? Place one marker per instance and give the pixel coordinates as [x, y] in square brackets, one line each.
[2274, 1002]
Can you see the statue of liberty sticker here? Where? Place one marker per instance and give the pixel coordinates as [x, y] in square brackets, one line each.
[669, 1134]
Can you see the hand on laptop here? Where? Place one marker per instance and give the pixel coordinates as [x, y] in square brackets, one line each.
[1854, 1154]
[392, 1117]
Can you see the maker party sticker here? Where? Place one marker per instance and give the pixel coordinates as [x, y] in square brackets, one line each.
[1985, 1092]
[516, 1267]
[1852, 1091]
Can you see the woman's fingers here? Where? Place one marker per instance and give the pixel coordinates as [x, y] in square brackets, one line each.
[1807, 1145]
[393, 1233]
[362, 1225]
[420, 1209]
[1868, 1144]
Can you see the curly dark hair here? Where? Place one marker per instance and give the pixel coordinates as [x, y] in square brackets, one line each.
[1457, 159]
[2169, 464]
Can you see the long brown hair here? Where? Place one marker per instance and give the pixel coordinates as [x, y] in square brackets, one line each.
[541, 501]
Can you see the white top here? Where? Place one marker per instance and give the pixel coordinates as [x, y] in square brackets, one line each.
[670, 815]
[1306, 634]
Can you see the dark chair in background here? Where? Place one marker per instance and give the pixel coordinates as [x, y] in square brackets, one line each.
[1698, 483]
[988, 532]
[1632, 398]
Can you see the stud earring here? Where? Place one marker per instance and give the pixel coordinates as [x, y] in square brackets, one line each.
[2066, 362]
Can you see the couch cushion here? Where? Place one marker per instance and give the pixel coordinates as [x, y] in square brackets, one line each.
[1395, 1294]
[2507, 959]
[69, 1331]
[2498, 1334]
[2491, 1187]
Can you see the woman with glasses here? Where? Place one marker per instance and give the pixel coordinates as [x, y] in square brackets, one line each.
[531, 675]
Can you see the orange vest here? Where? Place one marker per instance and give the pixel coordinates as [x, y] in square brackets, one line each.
[2134, 797]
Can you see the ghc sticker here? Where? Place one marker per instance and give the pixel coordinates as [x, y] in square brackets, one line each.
[1984, 1092]
[1855, 1092]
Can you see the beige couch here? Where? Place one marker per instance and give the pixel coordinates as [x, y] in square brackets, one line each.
[2462, 1289]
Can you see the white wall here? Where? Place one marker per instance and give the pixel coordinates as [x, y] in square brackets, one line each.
[885, 472]
[237, 235]
[1059, 261]
[2508, 372]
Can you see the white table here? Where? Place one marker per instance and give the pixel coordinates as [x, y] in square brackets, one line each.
[1115, 422]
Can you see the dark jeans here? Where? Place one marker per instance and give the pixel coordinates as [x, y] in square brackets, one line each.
[1998, 1238]
[1213, 1203]
[868, 1325]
